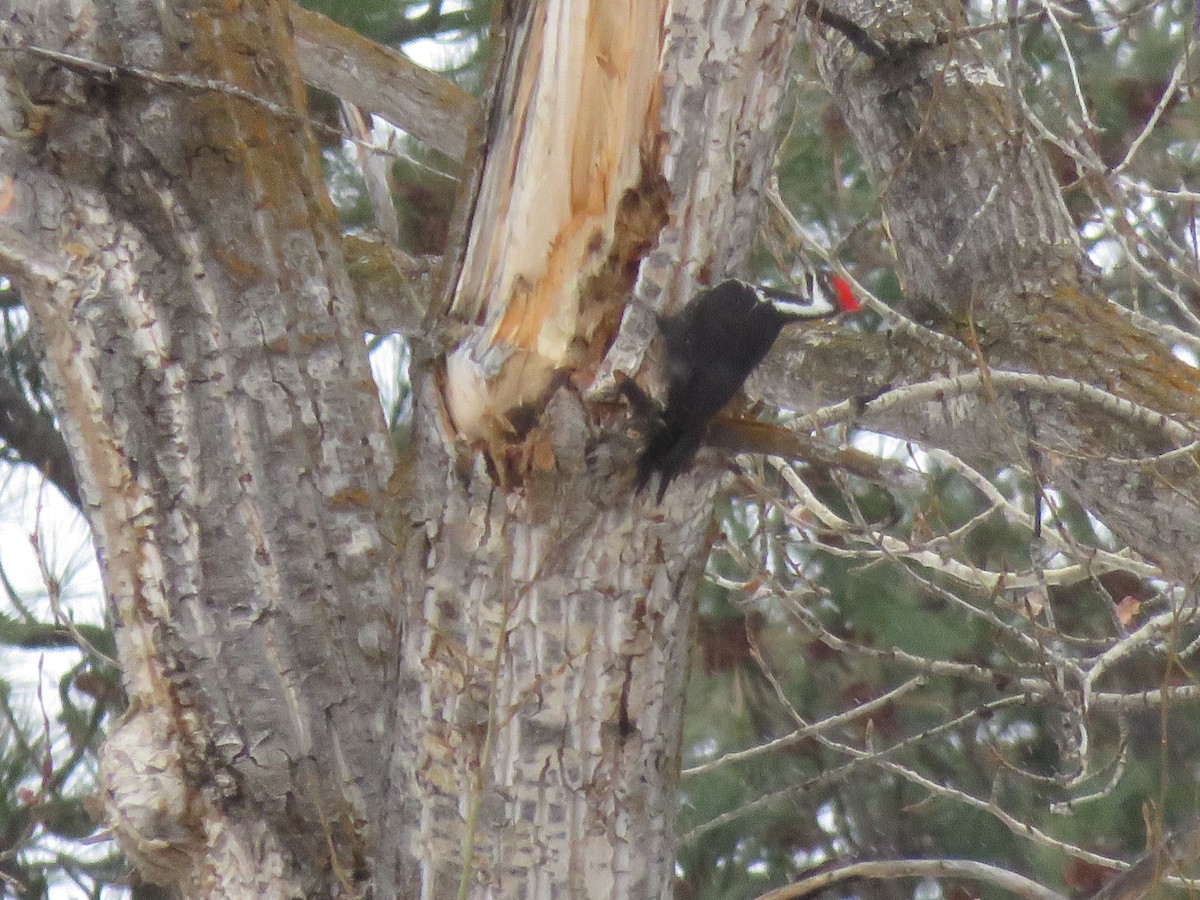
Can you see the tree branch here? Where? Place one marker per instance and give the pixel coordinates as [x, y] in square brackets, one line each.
[392, 287]
[848, 28]
[34, 438]
[740, 435]
[1172, 854]
[384, 82]
[917, 868]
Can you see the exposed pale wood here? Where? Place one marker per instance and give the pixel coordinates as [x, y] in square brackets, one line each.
[577, 132]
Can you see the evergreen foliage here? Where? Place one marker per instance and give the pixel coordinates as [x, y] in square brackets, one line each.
[982, 752]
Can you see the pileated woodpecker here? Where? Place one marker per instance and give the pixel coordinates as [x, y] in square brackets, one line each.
[712, 345]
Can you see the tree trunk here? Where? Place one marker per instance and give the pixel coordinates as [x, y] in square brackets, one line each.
[467, 674]
[545, 646]
[1023, 359]
[172, 239]
[178, 255]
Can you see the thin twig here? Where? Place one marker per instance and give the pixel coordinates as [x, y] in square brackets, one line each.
[800, 734]
[916, 868]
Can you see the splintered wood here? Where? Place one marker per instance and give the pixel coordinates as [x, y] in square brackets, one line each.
[579, 133]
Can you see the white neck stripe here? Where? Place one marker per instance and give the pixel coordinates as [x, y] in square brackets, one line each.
[797, 305]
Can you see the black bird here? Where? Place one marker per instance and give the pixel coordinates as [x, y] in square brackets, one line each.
[712, 345]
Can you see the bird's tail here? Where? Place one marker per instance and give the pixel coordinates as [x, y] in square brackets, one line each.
[668, 451]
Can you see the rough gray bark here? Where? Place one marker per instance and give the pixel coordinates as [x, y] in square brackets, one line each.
[385, 82]
[545, 648]
[178, 256]
[171, 237]
[989, 260]
[173, 243]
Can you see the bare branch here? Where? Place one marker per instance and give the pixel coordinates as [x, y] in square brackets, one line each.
[381, 81]
[800, 734]
[392, 287]
[1171, 855]
[34, 438]
[917, 868]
